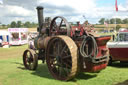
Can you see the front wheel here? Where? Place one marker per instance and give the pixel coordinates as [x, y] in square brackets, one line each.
[30, 59]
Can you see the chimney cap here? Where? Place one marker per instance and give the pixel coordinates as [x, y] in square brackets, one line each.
[40, 7]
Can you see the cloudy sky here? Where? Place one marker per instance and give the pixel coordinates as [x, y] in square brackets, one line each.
[72, 10]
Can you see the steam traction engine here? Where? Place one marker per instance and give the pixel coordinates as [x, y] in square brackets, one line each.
[67, 49]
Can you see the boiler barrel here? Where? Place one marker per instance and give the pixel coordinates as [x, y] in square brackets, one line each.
[41, 43]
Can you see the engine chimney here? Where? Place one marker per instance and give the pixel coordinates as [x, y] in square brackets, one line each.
[40, 17]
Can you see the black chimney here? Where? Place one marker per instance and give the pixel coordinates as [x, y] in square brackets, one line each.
[40, 17]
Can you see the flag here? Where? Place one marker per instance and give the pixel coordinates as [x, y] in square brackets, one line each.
[116, 5]
[106, 24]
[1, 1]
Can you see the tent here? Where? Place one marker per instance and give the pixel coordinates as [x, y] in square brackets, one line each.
[5, 37]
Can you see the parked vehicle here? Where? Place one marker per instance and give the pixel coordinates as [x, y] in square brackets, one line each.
[118, 48]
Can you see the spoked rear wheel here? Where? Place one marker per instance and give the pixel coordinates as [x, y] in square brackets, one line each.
[30, 59]
[61, 57]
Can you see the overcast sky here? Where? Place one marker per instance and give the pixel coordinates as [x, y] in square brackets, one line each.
[72, 10]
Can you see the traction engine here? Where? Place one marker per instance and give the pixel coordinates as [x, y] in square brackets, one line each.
[67, 49]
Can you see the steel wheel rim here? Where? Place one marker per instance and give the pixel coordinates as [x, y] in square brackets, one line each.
[29, 60]
[60, 63]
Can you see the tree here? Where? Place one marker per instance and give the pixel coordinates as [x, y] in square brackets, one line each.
[8, 26]
[27, 24]
[33, 24]
[3, 26]
[118, 27]
[101, 21]
[118, 21]
[125, 21]
[13, 24]
[107, 21]
[112, 21]
[19, 23]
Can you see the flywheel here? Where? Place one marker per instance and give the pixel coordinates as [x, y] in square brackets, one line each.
[30, 59]
[61, 57]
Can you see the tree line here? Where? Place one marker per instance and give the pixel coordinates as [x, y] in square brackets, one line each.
[113, 21]
[28, 24]
[19, 24]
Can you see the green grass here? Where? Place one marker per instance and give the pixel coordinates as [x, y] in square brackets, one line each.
[12, 72]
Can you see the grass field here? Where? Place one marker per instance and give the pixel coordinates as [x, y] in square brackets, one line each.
[111, 25]
[12, 72]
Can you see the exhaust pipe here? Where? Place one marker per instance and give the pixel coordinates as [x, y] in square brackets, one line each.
[40, 18]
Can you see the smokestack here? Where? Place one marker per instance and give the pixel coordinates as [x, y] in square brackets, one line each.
[40, 17]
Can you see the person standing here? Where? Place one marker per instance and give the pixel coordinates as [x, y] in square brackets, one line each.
[0, 43]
